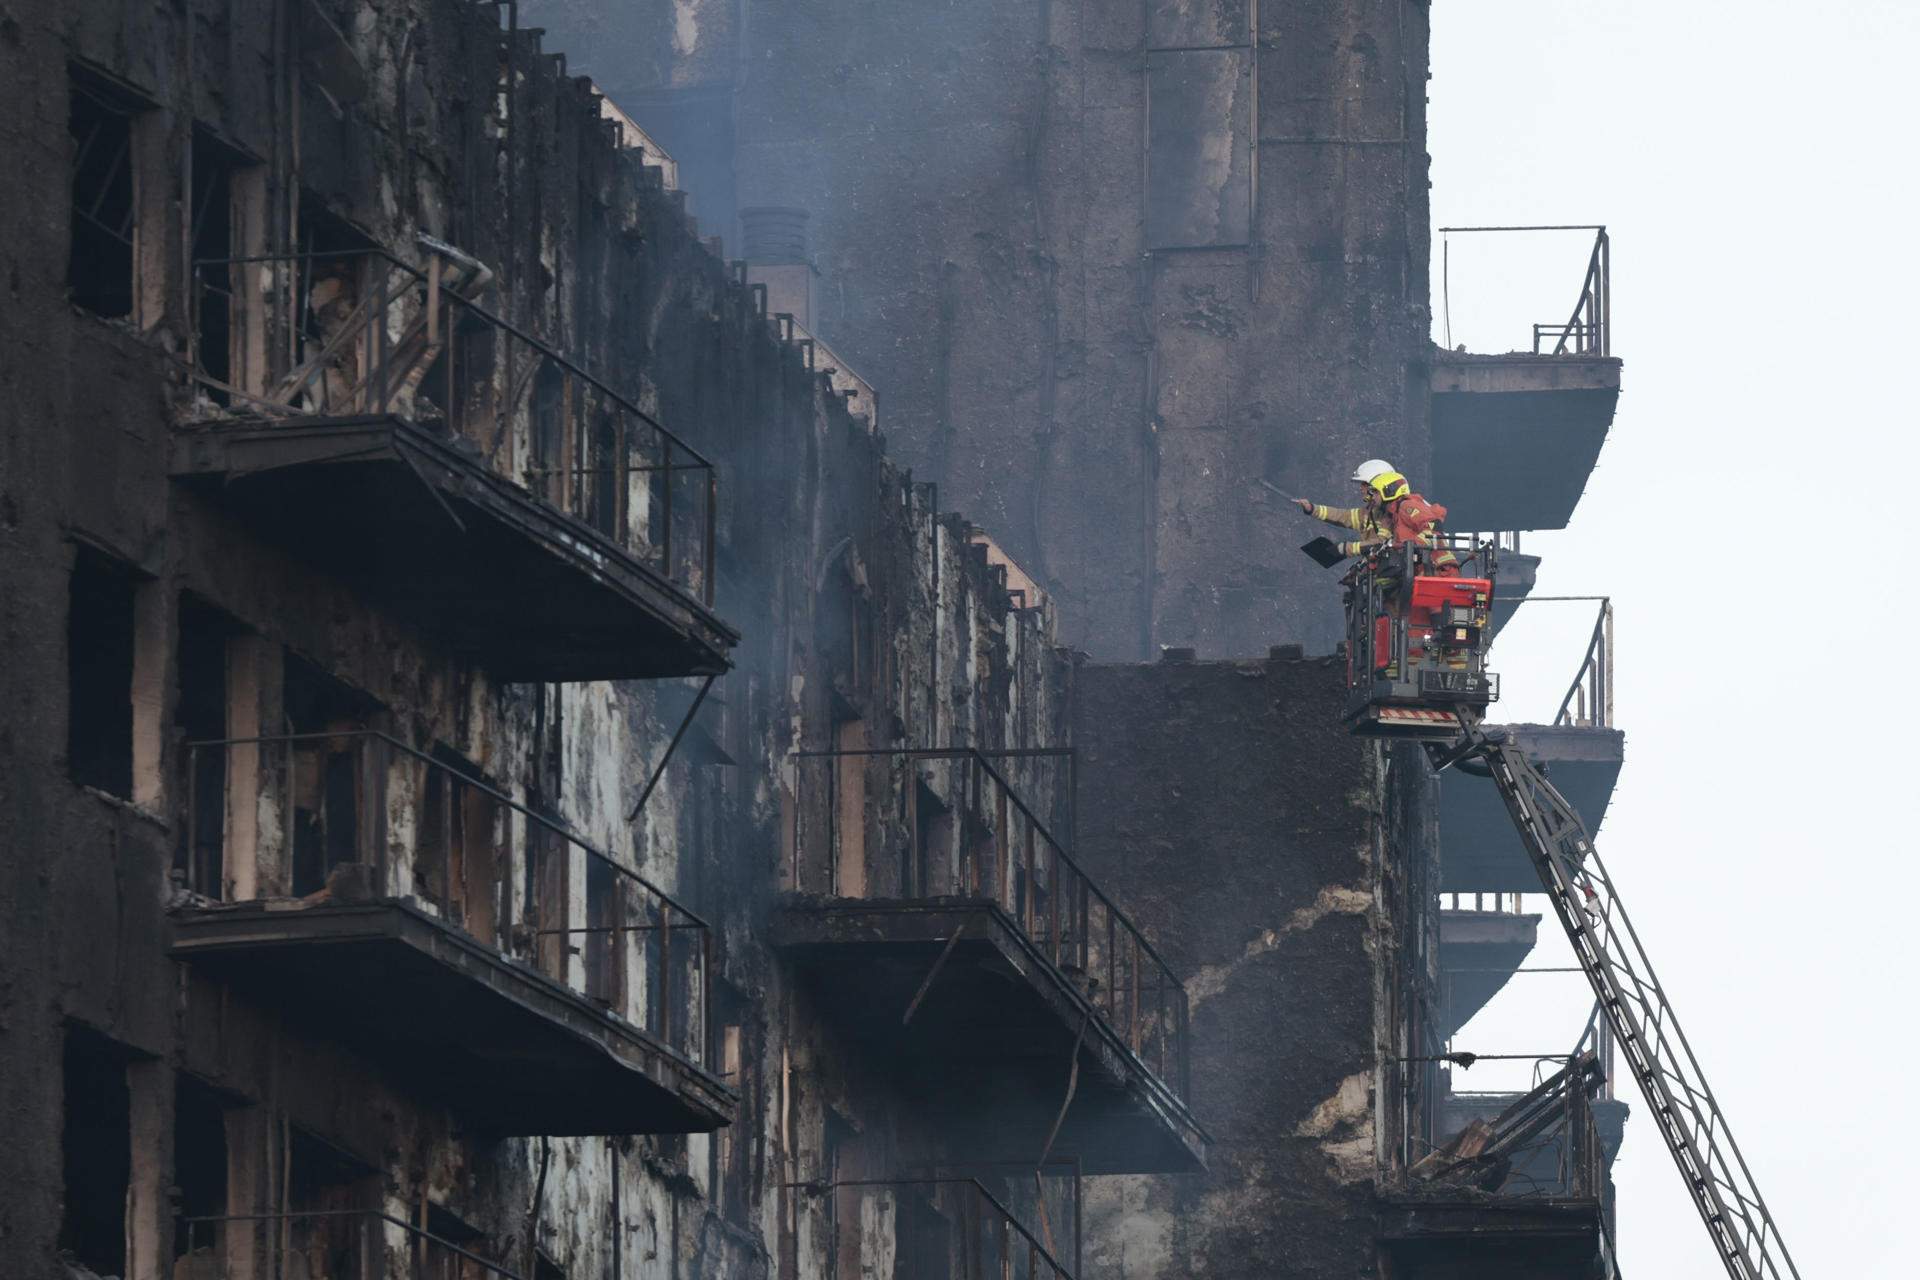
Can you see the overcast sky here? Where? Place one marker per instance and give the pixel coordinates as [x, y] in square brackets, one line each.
[1754, 163]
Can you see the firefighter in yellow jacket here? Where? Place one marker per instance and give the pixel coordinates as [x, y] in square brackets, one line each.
[1390, 512]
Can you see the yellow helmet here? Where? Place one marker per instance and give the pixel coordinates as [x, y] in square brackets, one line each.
[1388, 486]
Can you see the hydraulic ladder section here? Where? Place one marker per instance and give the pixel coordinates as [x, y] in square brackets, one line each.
[1644, 1026]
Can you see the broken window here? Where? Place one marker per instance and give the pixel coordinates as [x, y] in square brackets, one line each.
[327, 775]
[330, 285]
[923, 1236]
[460, 862]
[200, 716]
[729, 1174]
[927, 862]
[100, 641]
[850, 808]
[199, 1172]
[549, 431]
[213, 241]
[100, 255]
[96, 1149]
[455, 1246]
[604, 943]
[329, 1196]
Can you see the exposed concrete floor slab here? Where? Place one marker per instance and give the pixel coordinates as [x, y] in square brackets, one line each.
[1513, 582]
[505, 1047]
[1516, 436]
[402, 514]
[990, 1041]
[1479, 850]
[1479, 950]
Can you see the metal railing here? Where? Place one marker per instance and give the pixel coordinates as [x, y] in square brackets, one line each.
[1589, 700]
[360, 332]
[990, 844]
[1588, 330]
[986, 1241]
[1544, 1143]
[1503, 541]
[335, 1244]
[360, 803]
[1504, 903]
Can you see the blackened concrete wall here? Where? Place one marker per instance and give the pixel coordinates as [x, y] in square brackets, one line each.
[422, 116]
[1093, 339]
[1271, 856]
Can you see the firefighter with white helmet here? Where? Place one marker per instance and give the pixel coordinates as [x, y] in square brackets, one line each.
[1390, 512]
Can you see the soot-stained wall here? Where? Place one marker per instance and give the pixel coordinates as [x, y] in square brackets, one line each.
[1268, 854]
[1112, 264]
[389, 120]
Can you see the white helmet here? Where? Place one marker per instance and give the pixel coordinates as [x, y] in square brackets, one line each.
[1368, 470]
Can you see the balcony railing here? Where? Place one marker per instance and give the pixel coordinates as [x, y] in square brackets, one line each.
[360, 332]
[995, 846]
[1588, 330]
[362, 804]
[1589, 700]
[340, 1244]
[1507, 904]
[985, 1241]
[1543, 1143]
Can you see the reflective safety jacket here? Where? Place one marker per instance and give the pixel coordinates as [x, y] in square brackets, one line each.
[1408, 519]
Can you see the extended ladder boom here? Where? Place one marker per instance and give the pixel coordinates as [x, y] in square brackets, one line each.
[1644, 1026]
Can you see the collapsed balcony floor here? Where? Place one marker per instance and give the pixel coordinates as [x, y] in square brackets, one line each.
[990, 1042]
[511, 1050]
[401, 513]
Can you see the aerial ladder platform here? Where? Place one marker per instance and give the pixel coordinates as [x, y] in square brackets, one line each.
[1417, 643]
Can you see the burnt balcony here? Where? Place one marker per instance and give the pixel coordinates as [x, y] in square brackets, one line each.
[1516, 435]
[375, 419]
[961, 944]
[1581, 752]
[486, 957]
[1516, 1191]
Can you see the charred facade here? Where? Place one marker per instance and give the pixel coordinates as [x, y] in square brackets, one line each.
[510, 773]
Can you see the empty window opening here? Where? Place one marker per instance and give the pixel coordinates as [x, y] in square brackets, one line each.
[214, 166]
[549, 413]
[100, 255]
[929, 860]
[609, 477]
[547, 874]
[329, 1194]
[199, 1171]
[332, 281]
[923, 1236]
[460, 861]
[452, 1239]
[100, 635]
[849, 815]
[96, 1148]
[200, 716]
[605, 944]
[327, 772]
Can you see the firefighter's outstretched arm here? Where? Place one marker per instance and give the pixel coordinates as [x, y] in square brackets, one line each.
[1356, 518]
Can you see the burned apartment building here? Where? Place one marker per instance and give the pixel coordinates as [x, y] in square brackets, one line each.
[510, 774]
